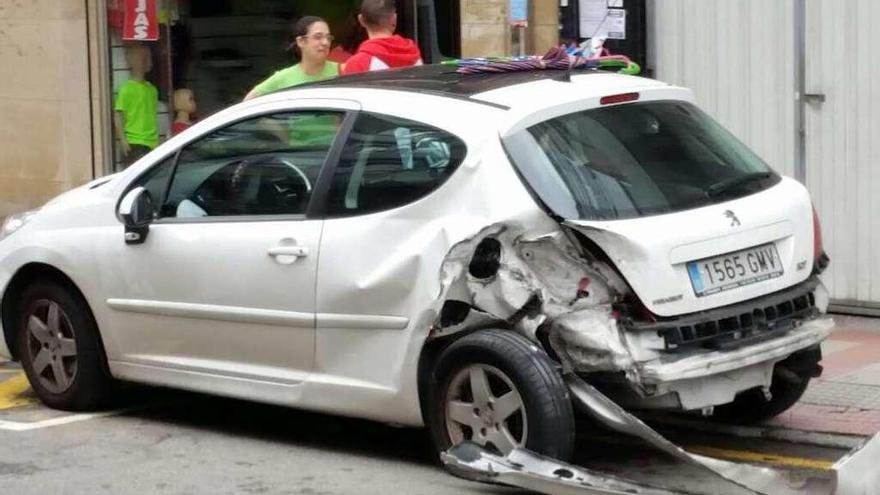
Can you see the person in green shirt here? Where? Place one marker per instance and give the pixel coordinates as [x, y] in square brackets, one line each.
[312, 40]
[135, 116]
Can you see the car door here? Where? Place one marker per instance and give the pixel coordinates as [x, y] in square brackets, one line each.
[384, 234]
[224, 283]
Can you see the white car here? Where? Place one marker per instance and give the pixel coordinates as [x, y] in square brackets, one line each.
[421, 247]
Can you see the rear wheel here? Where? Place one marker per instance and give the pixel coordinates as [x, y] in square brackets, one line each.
[60, 349]
[499, 390]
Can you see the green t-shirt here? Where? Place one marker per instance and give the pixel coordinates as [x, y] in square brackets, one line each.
[138, 102]
[313, 131]
[293, 76]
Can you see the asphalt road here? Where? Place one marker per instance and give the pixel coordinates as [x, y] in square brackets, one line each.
[180, 443]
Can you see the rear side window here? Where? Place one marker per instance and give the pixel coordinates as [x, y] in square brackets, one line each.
[634, 160]
[389, 162]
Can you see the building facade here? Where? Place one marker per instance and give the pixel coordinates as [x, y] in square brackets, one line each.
[794, 79]
[63, 63]
[47, 101]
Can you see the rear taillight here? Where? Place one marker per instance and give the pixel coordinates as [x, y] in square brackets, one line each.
[820, 259]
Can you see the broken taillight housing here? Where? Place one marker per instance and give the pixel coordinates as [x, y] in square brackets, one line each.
[632, 307]
[820, 258]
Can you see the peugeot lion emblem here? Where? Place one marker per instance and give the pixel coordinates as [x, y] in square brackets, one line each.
[734, 221]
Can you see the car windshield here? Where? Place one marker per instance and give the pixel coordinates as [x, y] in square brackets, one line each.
[635, 160]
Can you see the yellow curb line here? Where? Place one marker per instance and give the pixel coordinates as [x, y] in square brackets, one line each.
[759, 457]
[11, 391]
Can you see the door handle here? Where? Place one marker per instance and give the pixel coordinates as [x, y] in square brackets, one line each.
[814, 98]
[296, 251]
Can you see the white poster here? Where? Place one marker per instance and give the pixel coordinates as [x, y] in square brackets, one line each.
[596, 19]
[615, 24]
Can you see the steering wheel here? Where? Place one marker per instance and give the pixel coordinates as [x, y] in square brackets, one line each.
[296, 169]
[287, 187]
[236, 190]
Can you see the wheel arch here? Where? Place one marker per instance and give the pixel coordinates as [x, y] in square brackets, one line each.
[433, 348]
[24, 277]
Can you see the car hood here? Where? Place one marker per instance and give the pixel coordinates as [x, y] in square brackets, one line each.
[84, 191]
[652, 252]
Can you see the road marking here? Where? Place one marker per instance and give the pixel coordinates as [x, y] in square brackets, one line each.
[74, 418]
[11, 392]
[766, 432]
[761, 457]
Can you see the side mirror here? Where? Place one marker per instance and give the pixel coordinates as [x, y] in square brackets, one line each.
[136, 211]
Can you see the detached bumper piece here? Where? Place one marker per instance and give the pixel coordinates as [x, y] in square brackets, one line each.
[526, 469]
[856, 474]
[739, 324]
[859, 472]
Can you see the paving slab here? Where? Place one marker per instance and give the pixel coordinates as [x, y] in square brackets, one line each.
[846, 398]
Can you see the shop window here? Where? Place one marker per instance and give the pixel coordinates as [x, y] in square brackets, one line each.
[219, 50]
[389, 162]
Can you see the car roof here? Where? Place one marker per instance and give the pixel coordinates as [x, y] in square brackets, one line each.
[504, 90]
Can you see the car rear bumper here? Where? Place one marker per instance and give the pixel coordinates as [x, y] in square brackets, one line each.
[713, 378]
[705, 364]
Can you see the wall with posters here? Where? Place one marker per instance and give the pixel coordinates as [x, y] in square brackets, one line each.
[45, 132]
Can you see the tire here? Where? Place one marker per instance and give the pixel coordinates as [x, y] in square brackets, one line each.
[544, 421]
[752, 406]
[77, 353]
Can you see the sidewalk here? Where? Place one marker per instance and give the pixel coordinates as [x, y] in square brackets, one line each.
[846, 398]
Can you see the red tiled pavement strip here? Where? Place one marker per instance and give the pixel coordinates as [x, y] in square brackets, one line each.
[864, 352]
[829, 419]
[846, 399]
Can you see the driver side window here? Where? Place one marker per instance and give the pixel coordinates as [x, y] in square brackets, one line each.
[267, 165]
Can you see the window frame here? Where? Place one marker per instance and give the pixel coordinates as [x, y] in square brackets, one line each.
[510, 139]
[329, 171]
[315, 208]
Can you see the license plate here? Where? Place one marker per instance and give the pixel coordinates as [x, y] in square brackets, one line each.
[732, 270]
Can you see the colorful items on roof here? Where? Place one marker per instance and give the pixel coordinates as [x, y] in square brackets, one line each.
[589, 55]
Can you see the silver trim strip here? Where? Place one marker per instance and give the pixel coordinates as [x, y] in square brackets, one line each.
[362, 322]
[214, 312]
[202, 371]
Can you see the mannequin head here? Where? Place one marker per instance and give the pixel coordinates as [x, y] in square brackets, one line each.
[184, 101]
[140, 59]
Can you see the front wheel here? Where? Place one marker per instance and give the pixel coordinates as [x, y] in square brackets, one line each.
[60, 348]
[497, 389]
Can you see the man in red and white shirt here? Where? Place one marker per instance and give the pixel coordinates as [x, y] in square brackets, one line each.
[383, 49]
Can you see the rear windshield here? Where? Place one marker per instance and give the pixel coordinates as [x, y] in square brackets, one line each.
[634, 160]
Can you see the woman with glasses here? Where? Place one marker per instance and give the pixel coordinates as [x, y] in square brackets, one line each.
[311, 41]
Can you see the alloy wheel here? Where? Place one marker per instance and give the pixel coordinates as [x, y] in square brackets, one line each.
[483, 406]
[51, 346]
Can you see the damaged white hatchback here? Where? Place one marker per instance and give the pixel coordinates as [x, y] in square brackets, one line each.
[423, 247]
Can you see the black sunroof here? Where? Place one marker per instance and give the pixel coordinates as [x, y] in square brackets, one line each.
[440, 79]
